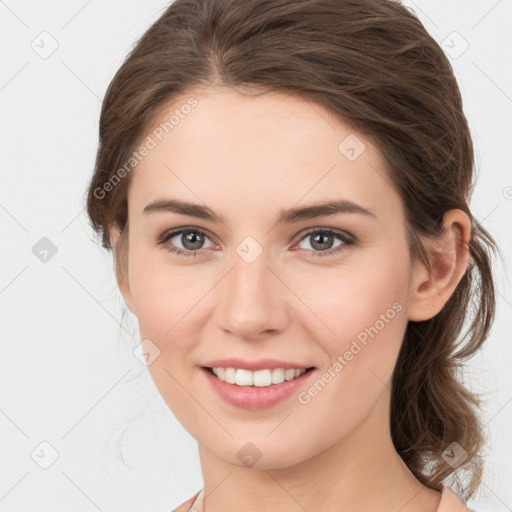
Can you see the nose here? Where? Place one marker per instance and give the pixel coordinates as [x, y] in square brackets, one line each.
[253, 300]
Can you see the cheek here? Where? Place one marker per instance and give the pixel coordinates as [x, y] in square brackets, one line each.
[164, 299]
[366, 322]
[359, 321]
[167, 304]
[347, 300]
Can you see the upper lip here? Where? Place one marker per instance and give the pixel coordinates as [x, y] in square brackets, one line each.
[260, 364]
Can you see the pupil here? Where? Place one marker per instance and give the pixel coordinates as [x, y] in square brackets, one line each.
[321, 245]
[193, 238]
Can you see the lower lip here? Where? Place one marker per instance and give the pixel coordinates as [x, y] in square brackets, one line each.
[254, 397]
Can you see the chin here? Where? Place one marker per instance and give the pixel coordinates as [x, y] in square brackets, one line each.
[263, 454]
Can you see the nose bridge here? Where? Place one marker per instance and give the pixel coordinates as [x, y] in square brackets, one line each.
[251, 299]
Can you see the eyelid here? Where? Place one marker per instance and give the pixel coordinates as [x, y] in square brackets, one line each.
[320, 229]
[171, 233]
[347, 238]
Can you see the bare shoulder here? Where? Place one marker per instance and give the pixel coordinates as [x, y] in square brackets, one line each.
[184, 507]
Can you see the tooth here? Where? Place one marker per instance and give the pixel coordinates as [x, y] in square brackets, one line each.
[262, 378]
[259, 378]
[289, 374]
[277, 376]
[230, 375]
[243, 377]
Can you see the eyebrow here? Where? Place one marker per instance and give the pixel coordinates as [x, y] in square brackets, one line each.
[285, 216]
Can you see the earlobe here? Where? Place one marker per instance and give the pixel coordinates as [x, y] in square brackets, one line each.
[114, 234]
[449, 258]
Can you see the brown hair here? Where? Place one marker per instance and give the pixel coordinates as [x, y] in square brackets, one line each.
[372, 63]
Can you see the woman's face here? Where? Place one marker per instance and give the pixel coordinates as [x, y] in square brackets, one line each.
[268, 281]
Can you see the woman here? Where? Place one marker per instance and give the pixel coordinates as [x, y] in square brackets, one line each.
[285, 189]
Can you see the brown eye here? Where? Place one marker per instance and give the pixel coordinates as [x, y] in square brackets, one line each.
[322, 241]
[190, 239]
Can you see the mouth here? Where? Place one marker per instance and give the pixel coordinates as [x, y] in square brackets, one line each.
[266, 377]
[258, 390]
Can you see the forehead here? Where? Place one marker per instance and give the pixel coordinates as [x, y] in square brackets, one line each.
[235, 148]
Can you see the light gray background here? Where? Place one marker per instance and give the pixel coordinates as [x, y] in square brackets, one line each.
[68, 377]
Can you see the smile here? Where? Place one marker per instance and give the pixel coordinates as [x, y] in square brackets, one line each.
[256, 389]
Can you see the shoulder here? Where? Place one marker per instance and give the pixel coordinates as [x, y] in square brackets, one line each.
[184, 507]
[450, 502]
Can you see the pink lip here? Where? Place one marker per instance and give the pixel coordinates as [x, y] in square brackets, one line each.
[253, 397]
[261, 364]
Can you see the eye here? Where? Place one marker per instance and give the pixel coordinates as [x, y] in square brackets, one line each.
[322, 241]
[191, 239]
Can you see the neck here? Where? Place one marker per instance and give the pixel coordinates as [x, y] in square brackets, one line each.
[362, 471]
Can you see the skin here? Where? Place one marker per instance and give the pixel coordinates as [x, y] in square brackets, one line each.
[247, 158]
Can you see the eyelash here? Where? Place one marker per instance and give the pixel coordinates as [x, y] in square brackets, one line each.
[348, 241]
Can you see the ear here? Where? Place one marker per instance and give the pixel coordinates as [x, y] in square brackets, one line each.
[449, 259]
[121, 273]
